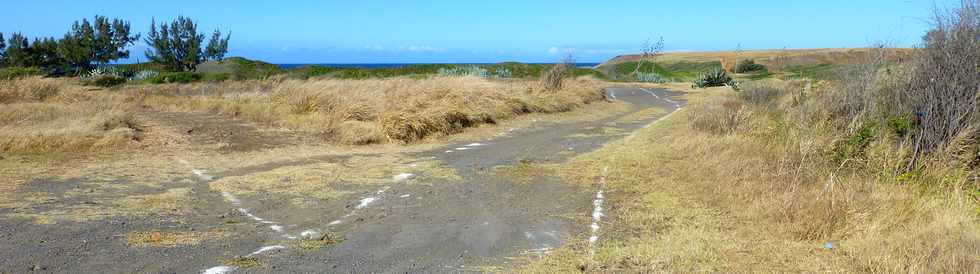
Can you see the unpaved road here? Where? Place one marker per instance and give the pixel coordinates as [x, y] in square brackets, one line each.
[430, 225]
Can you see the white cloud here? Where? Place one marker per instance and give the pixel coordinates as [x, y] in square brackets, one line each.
[375, 48]
[415, 48]
[553, 50]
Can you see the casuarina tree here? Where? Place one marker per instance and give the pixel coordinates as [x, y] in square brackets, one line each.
[88, 45]
[217, 46]
[3, 50]
[18, 51]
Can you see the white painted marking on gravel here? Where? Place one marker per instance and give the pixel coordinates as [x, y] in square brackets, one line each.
[219, 269]
[462, 148]
[597, 212]
[309, 233]
[202, 174]
[277, 228]
[336, 222]
[266, 249]
[474, 145]
[406, 195]
[366, 201]
[449, 151]
[402, 176]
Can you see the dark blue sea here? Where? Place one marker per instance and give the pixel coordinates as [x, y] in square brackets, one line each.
[397, 65]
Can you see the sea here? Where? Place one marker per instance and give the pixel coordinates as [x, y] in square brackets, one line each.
[397, 65]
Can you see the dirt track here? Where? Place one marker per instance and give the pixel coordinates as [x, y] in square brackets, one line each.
[409, 221]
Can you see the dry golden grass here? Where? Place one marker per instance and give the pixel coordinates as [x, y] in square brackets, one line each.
[305, 185]
[40, 115]
[766, 198]
[169, 239]
[377, 110]
[319, 242]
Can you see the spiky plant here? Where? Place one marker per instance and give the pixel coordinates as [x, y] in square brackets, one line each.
[715, 78]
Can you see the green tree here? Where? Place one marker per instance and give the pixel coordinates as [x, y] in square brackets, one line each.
[87, 45]
[176, 46]
[217, 46]
[18, 51]
[44, 54]
[3, 52]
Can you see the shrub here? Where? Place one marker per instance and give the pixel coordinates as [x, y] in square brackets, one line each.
[175, 77]
[19, 72]
[766, 93]
[714, 78]
[748, 65]
[105, 81]
[721, 116]
[945, 87]
[143, 75]
[552, 80]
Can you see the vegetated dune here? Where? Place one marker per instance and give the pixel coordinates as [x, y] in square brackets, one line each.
[40, 115]
[368, 111]
[45, 115]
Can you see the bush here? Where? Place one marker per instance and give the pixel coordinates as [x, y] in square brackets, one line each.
[721, 116]
[766, 93]
[945, 87]
[105, 81]
[143, 75]
[749, 65]
[175, 77]
[19, 72]
[715, 78]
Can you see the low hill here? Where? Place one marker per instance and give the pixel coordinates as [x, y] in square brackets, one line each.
[240, 68]
[816, 62]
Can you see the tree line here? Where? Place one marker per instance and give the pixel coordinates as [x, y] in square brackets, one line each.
[176, 46]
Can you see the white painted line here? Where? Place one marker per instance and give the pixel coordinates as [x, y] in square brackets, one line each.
[277, 228]
[462, 148]
[309, 233]
[366, 201]
[406, 195]
[336, 222]
[597, 211]
[266, 249]
[202, 174]
[219, 269]
[402, 177]
[474, 145]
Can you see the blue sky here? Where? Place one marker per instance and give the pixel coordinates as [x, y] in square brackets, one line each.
[493, 31]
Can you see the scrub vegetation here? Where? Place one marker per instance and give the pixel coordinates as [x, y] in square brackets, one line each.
[874, 171]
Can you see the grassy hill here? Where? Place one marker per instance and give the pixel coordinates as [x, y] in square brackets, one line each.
[786, 63]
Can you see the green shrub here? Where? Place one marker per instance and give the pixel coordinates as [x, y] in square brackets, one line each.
[105, 81]
[215, 77]
[175, 77]
[19, 72]
[715, 78]
[749, 65]
[855, 145]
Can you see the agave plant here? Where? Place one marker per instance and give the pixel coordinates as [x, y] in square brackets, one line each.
[105, 71]
[715, 78]
[465, 71]
[143, 75]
